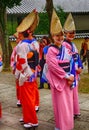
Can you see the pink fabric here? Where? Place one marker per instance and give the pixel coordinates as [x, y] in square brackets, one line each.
[62, 95]
[76, 101]
[57, 72]
[0, 58]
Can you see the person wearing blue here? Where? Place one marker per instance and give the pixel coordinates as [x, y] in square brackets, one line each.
[46, 41]
[69, 31]
[26, 72]
[60, 74]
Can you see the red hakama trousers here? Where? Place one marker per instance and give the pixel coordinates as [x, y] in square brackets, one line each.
[36, 93]
[28, 102]
[18, 91]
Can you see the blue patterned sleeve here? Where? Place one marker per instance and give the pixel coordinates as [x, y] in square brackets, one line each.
[73, 71]
[79, 62]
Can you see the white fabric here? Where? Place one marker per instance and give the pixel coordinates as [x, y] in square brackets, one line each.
[57, 128]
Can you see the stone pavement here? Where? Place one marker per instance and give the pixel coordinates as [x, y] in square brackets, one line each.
[11, 113]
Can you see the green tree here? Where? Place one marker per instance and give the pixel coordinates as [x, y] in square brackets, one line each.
[43, 26]
[62, 15]
[59, 10]
[3, 30]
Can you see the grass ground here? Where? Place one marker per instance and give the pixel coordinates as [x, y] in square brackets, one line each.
[84, 83]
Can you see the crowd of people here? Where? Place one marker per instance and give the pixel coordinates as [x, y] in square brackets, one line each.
[56, 62]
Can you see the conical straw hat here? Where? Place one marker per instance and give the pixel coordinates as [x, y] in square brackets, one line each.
[69, 24]
[55, 27]
[28, 21]
[35, 23]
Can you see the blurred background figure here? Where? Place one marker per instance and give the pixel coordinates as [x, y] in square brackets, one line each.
[84, 48]
[44, 45]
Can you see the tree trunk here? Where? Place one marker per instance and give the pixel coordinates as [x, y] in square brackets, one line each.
[49, 9]
[4, 39]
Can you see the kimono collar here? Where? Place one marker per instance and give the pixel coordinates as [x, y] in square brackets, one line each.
[71, 44]
[68, 42]
[61, 51]
[28, 40]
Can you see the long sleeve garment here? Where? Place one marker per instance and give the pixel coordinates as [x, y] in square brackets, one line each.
[78, 64]
[28, 87]
[62, 94]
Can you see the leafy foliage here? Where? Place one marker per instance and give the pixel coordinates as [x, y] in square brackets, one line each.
[43, 27]
[62, 15]
[9, 3]
[3, 30]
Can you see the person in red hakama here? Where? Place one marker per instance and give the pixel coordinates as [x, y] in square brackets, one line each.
[25, 74]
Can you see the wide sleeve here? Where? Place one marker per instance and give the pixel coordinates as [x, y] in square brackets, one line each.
[52, 61]
[21, 64]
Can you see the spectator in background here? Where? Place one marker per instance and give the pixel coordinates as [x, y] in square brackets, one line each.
[84, 48]
[45, 42]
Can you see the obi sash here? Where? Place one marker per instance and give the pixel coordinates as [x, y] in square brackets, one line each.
[32, 60]
[65, 66]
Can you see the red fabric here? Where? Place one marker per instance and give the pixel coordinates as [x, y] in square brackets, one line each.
[36, 94]
[28, 102]
[41, 51]
[18, 93]
[20, 61]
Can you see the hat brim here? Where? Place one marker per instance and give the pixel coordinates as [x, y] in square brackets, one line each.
[27, 22]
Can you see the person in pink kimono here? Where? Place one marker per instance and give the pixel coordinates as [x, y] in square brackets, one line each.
[60, 75]
[69, 30]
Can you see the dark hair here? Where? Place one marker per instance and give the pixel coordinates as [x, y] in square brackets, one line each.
[86, 38]
[47, 39]
[25, 34]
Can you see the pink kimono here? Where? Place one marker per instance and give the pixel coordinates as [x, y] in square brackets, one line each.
[73, 50]
[62, 94]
